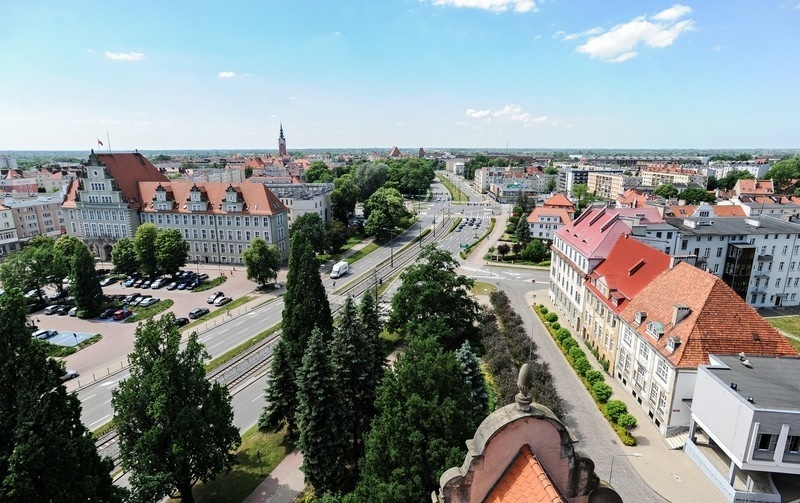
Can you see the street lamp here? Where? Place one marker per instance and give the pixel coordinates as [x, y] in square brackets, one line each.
[391, 246]
[611, 471]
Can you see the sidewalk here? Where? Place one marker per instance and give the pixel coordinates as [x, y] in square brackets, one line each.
[668, 472]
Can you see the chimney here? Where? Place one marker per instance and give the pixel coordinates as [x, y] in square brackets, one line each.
[679, 312]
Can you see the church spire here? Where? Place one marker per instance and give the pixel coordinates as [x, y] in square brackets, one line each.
[281, 143]
[281, 136]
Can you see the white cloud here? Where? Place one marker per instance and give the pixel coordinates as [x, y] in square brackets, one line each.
[619, 43]
[537, 37]
[293, 98]
[507, 114]
[673, 13]
[491, 5]
[584, 33]
[273, 116]
[336, 33]
[125, 56]
[231, 75]
[478, 114]
[797, 7]
[462, 123]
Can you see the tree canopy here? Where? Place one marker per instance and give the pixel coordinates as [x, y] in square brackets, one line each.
[123, 256]
[172, 251]
[369, 177]
[344, 197]
[262, 261]
[318, 172]
[144, 242]
[313, 227]
[693, 195]
[666, 190]
[85, 285]
[384, 210]
[784, 174]
[175, 427]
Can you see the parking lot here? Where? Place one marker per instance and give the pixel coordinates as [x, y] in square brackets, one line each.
[118, 337]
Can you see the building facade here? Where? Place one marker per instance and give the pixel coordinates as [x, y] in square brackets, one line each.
[302, 198]
[9, 241]
[610, 184]
[37, 216]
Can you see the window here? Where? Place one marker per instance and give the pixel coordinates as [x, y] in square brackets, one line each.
[766, 442]
[661, 370]
[793, 444]
[654, 394]
[644, 351]
[627, 336]
[662, 403]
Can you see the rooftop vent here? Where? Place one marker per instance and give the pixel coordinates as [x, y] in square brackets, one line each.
[750, 399]
[673, 343]
[734, 386]
[679, 312]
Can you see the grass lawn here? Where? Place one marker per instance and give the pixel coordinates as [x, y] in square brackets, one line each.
[208, 285]
[458, 196]
[363, 252]
[219, 312]
[241, 348]
[483, 288]
[143, 313]
[258, 455]
[790, 325]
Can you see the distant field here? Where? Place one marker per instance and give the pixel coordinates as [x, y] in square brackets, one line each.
[789, 325]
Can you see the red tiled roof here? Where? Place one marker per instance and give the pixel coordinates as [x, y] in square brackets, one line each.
[72, 191]
[561, 213]
[524, 481]
[559, 201]
[395, 152]
[751, 186]
[594, 233]
[719, 321]
[683, 210]
[646, 214]
[630, 267]
[258, 199]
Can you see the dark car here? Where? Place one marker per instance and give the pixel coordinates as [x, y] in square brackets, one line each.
[146, 283]
[130, 298]
[62, 310]
[108, 281]
[202, 277]
[196, 313]
[182, 285]
[108, 313]
[179, 322]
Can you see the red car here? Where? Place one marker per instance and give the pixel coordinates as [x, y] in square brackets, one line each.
[121, 314]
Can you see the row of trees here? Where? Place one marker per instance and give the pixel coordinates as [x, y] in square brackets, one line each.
[152, 251]
[45, 261]
[691, 195]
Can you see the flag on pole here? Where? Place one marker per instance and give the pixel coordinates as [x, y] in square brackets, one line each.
[99, 142]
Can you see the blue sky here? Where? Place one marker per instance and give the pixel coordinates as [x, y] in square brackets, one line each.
[412, 73]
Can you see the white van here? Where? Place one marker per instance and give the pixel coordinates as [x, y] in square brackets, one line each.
[339, 269]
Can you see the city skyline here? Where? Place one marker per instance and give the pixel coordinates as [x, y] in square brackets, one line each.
[413, 73]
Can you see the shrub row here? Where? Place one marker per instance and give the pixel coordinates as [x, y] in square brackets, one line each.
[594, 380]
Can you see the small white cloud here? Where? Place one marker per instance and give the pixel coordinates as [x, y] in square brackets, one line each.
[273, 116]
[673, 13]
[293, 98]
[717, 48]
[336, 33]
[619, 43]
[125, 56]
[232, 75]
[491, 5]
[797, 6]
[584, 33]
[537, 37]
[478, 114]
[399, 123]
[559, 34]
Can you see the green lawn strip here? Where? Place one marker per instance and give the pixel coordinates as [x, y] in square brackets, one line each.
[143, 313]
[389, 341]
[352, 241]
[363, 252]
[102, 430]
[791, 326]
[219, 312]
[57, 351]
[258, 455]
[208, 285]
[482, 288]
[241, 348]
[455, 192]
[455, 224]
[421, 236]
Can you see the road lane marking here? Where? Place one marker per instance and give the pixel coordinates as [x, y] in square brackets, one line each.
[257, 398]
[110, 383]
[88, 397]
[101, 419]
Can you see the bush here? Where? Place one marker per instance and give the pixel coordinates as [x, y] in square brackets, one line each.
[583, 366]
[543, 310]
[615, 409]
[627, 421]
[569, 343]
[555, 325]
[594, 376]
[551, 317]
[562, 333]
[601, 392]
[575, 353]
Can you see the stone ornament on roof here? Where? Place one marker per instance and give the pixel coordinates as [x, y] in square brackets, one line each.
[524, 382]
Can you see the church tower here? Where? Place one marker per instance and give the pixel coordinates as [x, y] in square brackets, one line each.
[281, 144]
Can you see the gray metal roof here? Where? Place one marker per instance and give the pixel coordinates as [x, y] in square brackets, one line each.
[774, 383]
[732, 225]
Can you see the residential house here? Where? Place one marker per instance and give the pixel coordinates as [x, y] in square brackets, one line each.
[745, 427]
[672, 174]
[9, 241]
[302, 198]
[545, 220]
[37, 216]
[610, 184]
[629, 267]
[668, 330]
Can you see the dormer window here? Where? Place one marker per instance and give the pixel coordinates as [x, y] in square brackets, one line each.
[194, 194]
[161, 193]
[655, 329]
[673, 343]
[640, 317]
[230, 195]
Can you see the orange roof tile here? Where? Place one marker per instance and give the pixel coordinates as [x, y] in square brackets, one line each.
[128, 169]
[719, 321]
[258, 199]
[559, 201]
[728, 210]
[561, 213]
[594, 233]
[630, 267]
[524, 481]
[751, 186]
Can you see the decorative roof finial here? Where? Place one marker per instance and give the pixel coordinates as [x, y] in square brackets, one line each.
[281, 135]
[524, 381]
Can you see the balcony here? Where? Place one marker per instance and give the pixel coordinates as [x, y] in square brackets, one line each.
[765, 258]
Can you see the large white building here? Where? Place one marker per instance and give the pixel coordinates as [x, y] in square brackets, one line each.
[302, 198]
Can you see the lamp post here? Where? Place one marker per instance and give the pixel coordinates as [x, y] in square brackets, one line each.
[391, 246]
[611, 471]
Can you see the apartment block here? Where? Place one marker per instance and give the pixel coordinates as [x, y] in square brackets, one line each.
[610, 184]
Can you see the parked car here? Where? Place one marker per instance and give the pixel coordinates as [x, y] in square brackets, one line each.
[183, 284]
[179, 322]
[73, 311]
[108, 280]
[130, 298]
[44, 334]
[214, 296]
[196, 313]
[221, 301]
[62, 310]
[108, 313]
[52, 309]
[129, 282]
[202, 277]
[121, 314]
[138, 282]
[172, 286]
[69, 374]
[158, 283]
[149, 301]
[146, 283]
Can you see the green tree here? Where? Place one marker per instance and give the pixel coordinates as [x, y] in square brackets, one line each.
[248, 171]
[335, 236]
[123, 256]
[175, 427]
[536, 251]
[263, 262]
[318, 172]
[85, 286]
[384, 209]
[46, 453]
[144, 242]
[503, 249]
[313, 227]
[729, 180]
[523, 232]
[322, 418]
[472, 376]
[421, 426]
[550, 170]
[666, 190]
[432, 290]
[372, 327]
[693, 195]
[369, 177]
[33, 267]
[305, 306]
[344, 197]
[64, 250]
[784, 174]
[583, 196]
[172, 251]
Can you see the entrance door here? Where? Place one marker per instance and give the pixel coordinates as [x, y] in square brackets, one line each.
[777, 300]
